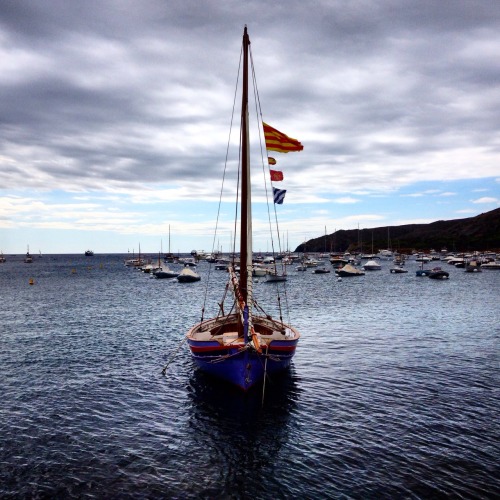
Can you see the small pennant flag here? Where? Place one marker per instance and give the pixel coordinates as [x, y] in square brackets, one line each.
[271, 160]
[280, 142]
[276, 175]
[279, 195]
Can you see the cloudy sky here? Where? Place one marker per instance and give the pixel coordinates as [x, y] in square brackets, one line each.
[115, 115]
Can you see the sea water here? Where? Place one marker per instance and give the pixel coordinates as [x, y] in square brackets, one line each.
[393, 391]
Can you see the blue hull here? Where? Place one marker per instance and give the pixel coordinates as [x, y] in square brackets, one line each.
[245, 368]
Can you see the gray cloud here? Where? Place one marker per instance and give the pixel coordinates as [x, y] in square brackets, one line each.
[98, 93]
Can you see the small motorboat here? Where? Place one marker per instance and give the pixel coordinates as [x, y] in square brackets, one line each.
[438, 274]
[348, 271]
[397, 269]
[423, 272]
[473, 267]
[187, 275]
[259, 270]
[188, 261]
[371, 265]
[338, 262]
[321, 270]
[148, 268]
[273, 277]
[491, 265]
[164, 273]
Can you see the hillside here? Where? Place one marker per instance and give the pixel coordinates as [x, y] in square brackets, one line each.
[473, 233]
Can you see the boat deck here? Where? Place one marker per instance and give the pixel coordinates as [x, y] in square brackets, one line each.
[231, 338]
[226, 334]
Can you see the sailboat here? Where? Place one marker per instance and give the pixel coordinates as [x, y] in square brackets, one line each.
[244, 345]
[387, 254]
[135, 262]
[169, 257]
[28, 258]
[274, 275]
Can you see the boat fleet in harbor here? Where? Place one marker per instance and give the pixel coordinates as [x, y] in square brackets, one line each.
[343, 265]
[276, 268]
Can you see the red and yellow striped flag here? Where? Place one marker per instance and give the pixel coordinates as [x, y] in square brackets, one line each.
[278, 141]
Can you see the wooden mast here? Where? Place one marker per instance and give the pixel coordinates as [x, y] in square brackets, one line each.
[246, 227]
[245, 281]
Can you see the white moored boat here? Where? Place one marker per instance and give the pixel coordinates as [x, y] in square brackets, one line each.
[371, 265]
[491, 265]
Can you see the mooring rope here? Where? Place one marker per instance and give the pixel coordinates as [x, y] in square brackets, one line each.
[172, 356]
[265, 375]
[227, 356]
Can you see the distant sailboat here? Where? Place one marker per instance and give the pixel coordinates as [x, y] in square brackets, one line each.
[28, 259]
[169, 257]
[136, 262]
[274, 276]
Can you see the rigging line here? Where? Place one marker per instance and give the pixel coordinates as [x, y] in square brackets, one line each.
[235, 225]
[287, 307]
[227, 319]
[238, 180]
[223, 175]
[258, 307]
[258, 113]
[172, 356]
[221, 304]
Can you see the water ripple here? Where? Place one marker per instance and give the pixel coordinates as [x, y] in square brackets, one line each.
[394, 390]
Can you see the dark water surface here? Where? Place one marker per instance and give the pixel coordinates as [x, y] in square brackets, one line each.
[393, 393]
